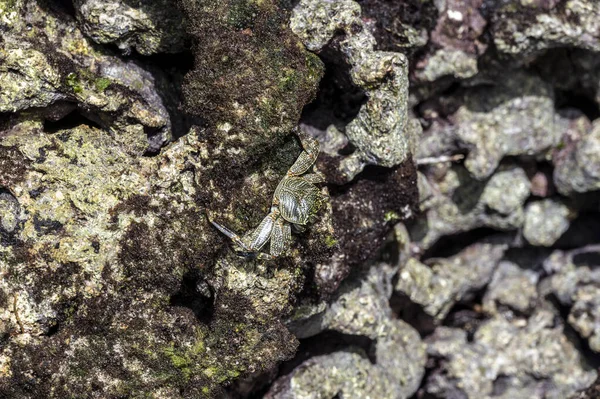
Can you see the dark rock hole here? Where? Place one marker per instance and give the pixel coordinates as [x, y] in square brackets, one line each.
[373, 173]
[60, 7]
[592, 358]
[195, 294]
[465, 314]
[328, 342]
[325, 343]
[53, 329]
[589, 258]
[451, 245]
[412, 313]
[70, 121]
[573, 99]
[583, 231]
[338, 99]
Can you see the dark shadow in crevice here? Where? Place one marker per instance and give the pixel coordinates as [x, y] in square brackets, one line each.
[466, 314]
[568, 70]
[195, 294]
[61, 8]
[52, 330]
[573, 99]
[590, 259]
[71, 120]
[338, 99]
[583, 231]
[452, 244]
[169, 73]
[328, 342]
[528, 257]
[582, 345]
[412, 313]
[467, 195]
[373, 173]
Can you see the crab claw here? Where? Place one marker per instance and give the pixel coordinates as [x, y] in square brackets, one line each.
[233, 236]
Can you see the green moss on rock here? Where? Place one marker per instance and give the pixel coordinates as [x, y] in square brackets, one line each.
[251, 74]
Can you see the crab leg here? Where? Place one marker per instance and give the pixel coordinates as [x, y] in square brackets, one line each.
[258, 237]
[234, 237]
[281, 236]
[314, 178]
[307, 158]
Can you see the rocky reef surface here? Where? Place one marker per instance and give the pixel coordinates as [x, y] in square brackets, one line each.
[457, 250]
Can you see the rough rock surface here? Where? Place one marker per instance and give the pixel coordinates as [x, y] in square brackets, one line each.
[459, 203]
[455, 253]
[148, 27]
[524, 27]
[439, 286]
[47, 67]
[578, 166]
[497, 362]
[511, 288]
[575, 283]
[545, 222]
[113, 279]
[362, 309]
[382, 130]
[515, 116]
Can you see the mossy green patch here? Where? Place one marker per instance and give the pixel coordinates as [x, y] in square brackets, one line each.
[102, 83]
[330, 241]
[391, 216]
[241, 14]
[74, 82]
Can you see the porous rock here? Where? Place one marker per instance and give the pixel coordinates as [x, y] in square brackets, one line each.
[545, 222]
[46, 61]
[361, 308]
[524, 28]
[459, 203]
[524, 357]
[438, 286]
[148, 27]
[577, 167]
[512, 288]
[382, 129]
[574, 282]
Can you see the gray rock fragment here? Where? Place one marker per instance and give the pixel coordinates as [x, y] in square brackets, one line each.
[585, 315]
[511, 287]
[545, 222]
[456, 41]
[382, 129]
[515, 117]
[577, 168]
[575, 284]
[455, 63]
[9, 212]
[527, 27]
[148, 27]
[519, 358]
[362, 308]
[460, 203]
[439, 286]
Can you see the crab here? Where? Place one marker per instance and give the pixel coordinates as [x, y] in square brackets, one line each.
[295, 203]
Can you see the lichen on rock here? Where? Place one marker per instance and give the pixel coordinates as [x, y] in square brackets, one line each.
[49, 68]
